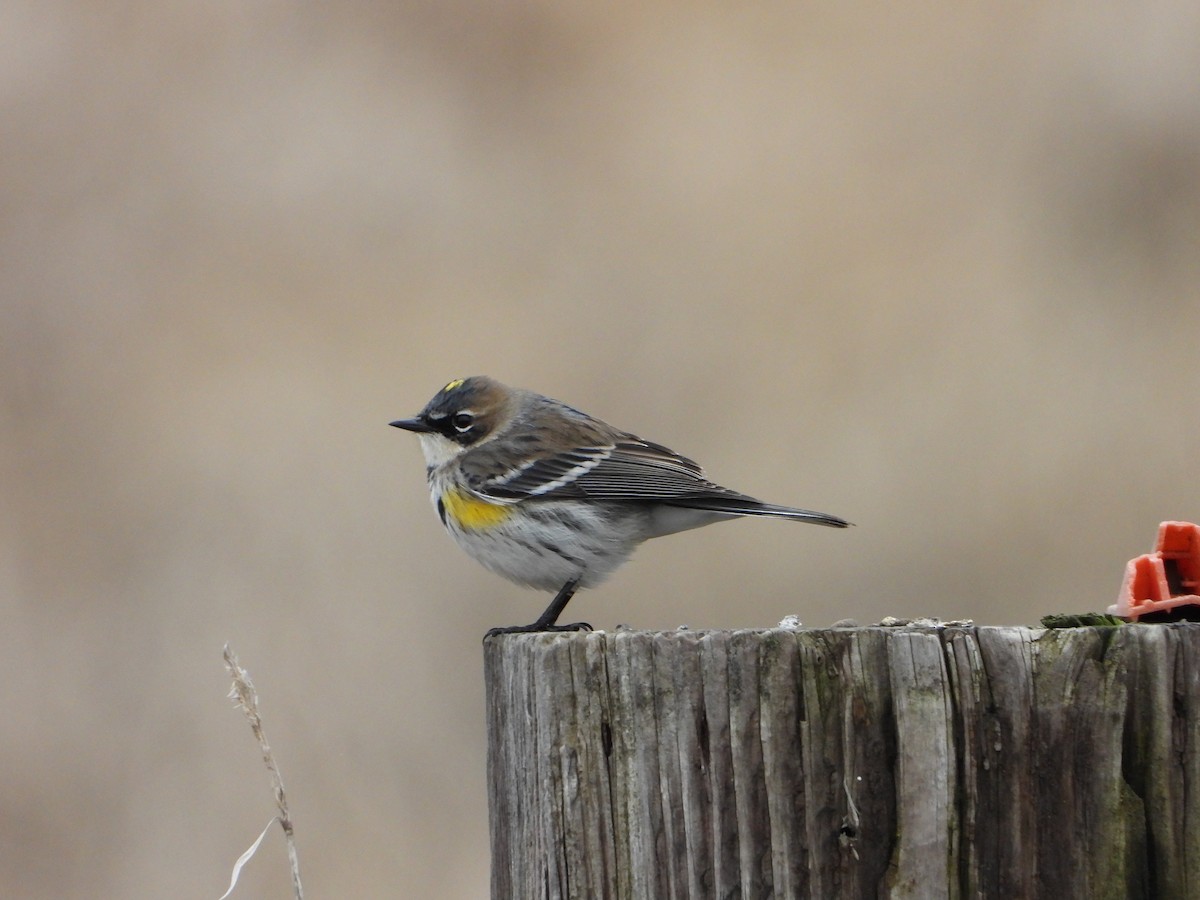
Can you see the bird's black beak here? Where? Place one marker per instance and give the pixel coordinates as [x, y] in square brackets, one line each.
[420, 426]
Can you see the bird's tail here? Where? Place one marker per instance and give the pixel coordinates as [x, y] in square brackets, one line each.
[741, 505]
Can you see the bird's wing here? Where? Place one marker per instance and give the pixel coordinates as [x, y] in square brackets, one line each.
[627, 469]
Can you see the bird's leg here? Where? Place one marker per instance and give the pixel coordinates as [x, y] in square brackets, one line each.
[546, 621]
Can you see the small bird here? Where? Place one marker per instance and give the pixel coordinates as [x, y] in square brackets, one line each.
[551, 498]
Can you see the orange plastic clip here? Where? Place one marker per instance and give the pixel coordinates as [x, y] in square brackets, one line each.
[1162, 581]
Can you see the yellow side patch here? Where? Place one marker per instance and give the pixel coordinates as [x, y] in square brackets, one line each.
[471, 512]
[452, 385]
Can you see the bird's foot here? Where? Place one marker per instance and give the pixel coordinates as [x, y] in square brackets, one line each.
[535, 628]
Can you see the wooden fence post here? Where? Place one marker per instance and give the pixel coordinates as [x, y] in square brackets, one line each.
[955, 762]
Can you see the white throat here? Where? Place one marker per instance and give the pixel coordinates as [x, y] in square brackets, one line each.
[439, 450]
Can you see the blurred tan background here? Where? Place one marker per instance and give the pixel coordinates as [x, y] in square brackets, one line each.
[935, 271]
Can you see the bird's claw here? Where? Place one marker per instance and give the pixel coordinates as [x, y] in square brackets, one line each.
[536, 628]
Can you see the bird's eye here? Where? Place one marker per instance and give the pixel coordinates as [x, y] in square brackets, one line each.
[463, 421]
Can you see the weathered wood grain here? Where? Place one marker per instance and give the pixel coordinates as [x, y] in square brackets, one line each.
[955, 762]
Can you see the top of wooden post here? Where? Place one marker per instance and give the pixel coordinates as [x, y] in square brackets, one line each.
[919, 761]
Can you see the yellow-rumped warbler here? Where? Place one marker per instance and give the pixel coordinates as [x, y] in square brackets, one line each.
[551, 498]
